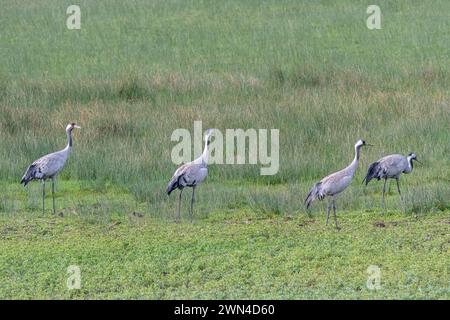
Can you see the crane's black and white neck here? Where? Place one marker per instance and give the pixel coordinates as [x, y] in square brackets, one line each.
[203, 159]
[69, 129]
[354, 165]
[411, 157]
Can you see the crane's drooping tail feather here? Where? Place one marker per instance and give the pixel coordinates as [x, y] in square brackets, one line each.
[29, 175]
[373, 172]
[314, 193]
[174, 184]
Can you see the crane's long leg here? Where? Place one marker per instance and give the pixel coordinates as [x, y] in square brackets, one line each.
[334, 211]
[53, 195]
[384, 191]
[328, 210]
[179, 205]
[398, 188]
[43, 196]
[192, 202]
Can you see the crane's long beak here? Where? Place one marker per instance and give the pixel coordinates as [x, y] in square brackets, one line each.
[418, 161]
[78, 127]
[369, 145]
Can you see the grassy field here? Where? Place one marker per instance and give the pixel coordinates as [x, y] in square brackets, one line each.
[238, 255]
[138, 70]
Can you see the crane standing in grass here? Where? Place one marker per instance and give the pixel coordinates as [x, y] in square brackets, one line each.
[335, 183]
[390, 167]
[48, 166]
[191, 175]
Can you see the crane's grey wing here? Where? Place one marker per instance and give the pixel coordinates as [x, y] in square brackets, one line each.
[44, 167]
[336, 182]
[393, 165]
[387, 167]
[329, 185]
[30, 174]
[189, 174]
[52, 164]
[195, 174]
[34, 171]
[175, 182]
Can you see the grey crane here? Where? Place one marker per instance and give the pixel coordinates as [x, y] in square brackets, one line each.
[390, 167]
[335, 183]
[48, 166]
[191, 174]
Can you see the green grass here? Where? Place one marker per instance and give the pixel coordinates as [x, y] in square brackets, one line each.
[254, 250]
[138, 70]
[233, 254]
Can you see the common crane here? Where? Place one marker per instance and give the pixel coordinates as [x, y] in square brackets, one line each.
[48, 166]
[191, 175]
[390, 167]
[335, 183]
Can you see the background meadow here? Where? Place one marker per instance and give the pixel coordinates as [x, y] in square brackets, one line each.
[137, 70]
